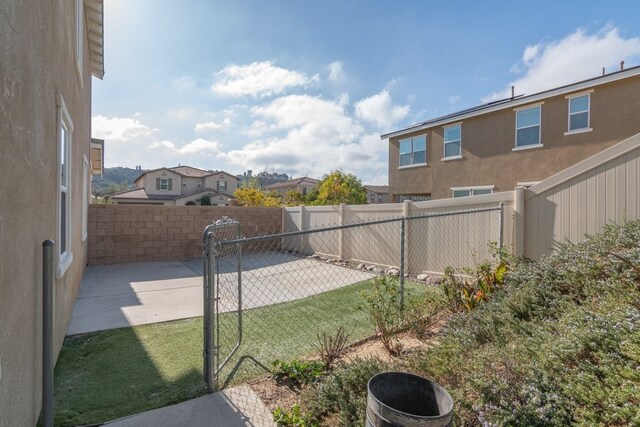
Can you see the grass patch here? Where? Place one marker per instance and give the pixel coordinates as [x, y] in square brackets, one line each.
[106, 375]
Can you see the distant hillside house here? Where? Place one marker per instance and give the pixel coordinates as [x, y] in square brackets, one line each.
[377, 193]
[180, 185]
[302, 185]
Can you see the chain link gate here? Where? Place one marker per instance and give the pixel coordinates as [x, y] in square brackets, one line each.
[270, 297]
[222, 285]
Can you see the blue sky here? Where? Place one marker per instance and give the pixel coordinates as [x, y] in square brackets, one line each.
[306, 87]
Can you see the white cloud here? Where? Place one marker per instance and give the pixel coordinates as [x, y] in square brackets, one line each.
[209, 126]
[198, 146]
[454, 99]
[336, 72]
[259, 79]
[119, 128]
[578, 56]
[380, 111]
[310, 135]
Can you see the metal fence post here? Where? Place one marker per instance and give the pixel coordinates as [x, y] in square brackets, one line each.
[501, 235]
[48, 272]
[402, 232]
[341, 213]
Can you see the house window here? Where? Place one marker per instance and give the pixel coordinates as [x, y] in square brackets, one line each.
[579, 112]
[413, 151]
[528, 127]
[222, 186]
[79, 38]
[85, 195]
[65, 131]
[379, 198]
[413, 197]
[472, 191]
[184, 182]
[199, 184]
[164, 184]
[304, 191]
[452, 141]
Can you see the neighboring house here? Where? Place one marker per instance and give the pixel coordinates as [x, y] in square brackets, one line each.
[180, 185]
[377, 193]
[302, 185]
[516, 141]
[49, 51]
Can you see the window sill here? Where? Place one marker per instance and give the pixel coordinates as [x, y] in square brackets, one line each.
[419, 165]
[527, 147]
[577, 131]
[446, 159]
[65, 261]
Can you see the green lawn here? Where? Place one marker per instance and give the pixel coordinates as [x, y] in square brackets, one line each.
[106, 375]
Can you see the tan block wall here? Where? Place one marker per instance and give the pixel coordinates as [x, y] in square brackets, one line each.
[121, 233]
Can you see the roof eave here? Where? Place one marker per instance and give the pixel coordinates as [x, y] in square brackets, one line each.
[573, 87]
[94, 11]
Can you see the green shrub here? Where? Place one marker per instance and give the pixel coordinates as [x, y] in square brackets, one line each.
[382, 304]
[293, 417]
[343, 392]
[298, 371]
[557, 344]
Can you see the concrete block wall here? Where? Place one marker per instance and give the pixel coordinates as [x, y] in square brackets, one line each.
[138, 233]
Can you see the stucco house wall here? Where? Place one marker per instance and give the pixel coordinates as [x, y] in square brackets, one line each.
[150, 178]
[232, 182]
[37, 71]
[488, 140]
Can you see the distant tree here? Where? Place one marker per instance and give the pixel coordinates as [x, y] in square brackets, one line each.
[205, 200]
[339, 187]
[255, 197]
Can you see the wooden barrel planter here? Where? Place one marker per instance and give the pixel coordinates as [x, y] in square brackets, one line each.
[397, 399]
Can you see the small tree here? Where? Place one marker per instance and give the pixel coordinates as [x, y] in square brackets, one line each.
[205, 200]
[293, 198]
[339, 187]
[255, 197]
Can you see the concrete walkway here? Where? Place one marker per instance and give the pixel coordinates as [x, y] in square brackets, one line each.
[122, 295]
[234, 407]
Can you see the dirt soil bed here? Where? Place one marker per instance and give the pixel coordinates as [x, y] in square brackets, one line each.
[275, 393]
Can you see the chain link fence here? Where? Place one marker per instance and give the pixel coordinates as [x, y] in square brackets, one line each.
[273, 297]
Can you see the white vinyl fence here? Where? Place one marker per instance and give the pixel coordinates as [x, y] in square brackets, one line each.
[570, 205]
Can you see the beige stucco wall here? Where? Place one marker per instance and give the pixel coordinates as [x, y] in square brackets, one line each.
[150, 183]
[232, 181]
[488, 140]
[409, 180]
[192, 184]
[37, 57]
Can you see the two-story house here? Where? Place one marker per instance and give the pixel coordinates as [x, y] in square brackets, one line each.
[180, 185]
[49, 51]
[302, 185]
[515, 141]
[377, 193]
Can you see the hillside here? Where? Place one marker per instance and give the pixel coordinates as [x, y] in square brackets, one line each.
[114, 177]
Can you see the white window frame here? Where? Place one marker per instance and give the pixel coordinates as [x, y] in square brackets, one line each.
[472, 190]
[65, 143]
[85, 196]
[166, 184]
[586, 93]
[412, 152]
[80, 39]
[219, 187]
[445, 142]
[530, 146]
